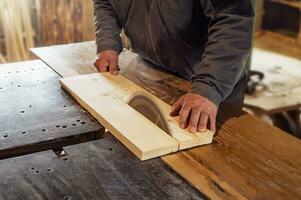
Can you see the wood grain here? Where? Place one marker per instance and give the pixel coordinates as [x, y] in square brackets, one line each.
[97, 102]
[138, 134]
[248, 158]
[126, 89]
[244, 168]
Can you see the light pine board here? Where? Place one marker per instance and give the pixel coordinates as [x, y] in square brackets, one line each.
[139, 135]
[106, 96]
[126, 89]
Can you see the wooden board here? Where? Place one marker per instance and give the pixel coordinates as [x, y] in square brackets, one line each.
[36, 114]
[101, 102]
[82, 56]
[250, 170]
[247, 158]
[102, 169]
[137, 133]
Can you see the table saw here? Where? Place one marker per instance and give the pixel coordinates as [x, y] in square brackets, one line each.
[248, 159]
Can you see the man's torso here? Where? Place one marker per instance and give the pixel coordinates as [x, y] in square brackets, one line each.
[172, 34]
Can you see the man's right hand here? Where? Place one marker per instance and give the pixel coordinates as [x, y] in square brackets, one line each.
[107, 61]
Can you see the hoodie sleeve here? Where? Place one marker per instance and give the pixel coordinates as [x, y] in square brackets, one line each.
[107, 26]
[227, 49]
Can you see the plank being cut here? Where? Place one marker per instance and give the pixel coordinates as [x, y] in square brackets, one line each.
[137, 133]
[125, 89]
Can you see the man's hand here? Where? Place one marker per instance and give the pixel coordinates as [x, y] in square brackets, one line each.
[107, 61]
[195, 112]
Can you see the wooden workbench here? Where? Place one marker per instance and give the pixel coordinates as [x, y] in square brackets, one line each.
[248, 158]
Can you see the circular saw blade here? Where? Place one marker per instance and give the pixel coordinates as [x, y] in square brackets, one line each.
[150, 110]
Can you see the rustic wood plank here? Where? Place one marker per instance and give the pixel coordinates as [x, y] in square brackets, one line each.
[81, 55]
[36, 114]
[82, 62]
[102, 169]
[247, 156]
[250, 170]
[138, 134]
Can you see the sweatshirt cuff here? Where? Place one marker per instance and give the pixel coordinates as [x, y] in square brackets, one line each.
[103, 46]
[207, 91]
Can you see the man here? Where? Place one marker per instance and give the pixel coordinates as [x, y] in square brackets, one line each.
[205, 41]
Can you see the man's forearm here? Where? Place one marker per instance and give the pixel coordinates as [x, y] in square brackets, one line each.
[107, 27]
[229, 42]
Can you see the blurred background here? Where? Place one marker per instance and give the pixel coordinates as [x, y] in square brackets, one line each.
[273, 92]
[30, 23]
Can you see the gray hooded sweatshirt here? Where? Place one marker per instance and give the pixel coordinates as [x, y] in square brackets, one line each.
[205, 41]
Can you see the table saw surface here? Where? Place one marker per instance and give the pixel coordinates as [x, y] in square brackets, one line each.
[36, 114]
[102, 169]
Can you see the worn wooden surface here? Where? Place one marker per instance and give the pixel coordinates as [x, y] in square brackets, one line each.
[248, 158]
[102, 169]
[36, 114]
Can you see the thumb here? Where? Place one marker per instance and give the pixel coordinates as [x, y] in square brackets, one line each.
[114, 66]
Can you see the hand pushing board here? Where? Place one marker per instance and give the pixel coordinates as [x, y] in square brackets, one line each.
[106, 97]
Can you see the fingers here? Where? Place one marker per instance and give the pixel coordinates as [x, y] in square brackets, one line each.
[113, 66]
[196, 112]
[107, 61]
[102, 65]
[202, 126]
[175, 109]
[194, 119]
[212, 123]
[184, 115]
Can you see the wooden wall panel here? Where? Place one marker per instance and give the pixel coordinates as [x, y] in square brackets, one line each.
[25, 24]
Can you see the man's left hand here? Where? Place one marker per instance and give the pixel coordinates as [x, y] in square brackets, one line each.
[195, 112]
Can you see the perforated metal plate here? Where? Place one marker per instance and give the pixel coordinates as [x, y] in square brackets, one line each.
[36, 114]
[102, 169]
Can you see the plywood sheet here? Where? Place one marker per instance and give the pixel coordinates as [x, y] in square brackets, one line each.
[106, 97]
